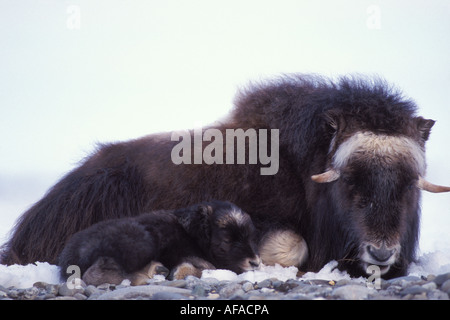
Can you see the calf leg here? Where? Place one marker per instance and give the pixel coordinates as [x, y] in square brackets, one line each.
[142, 276]
[107, 270]
[104, 270]
[191, 266]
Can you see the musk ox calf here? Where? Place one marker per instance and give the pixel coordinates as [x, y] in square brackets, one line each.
[350, 166]
[209, 235]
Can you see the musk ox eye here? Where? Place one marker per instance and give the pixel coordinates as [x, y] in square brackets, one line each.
[412, 185]
[364, 203]
[348, 181]
[225, 244]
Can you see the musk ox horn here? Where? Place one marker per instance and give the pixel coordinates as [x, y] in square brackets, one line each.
[427, 186]
[328, 176]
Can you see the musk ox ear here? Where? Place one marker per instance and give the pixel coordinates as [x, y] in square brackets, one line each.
[328, 176]
[424, 126]
[196, 221]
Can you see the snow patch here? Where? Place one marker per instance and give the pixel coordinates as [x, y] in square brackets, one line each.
[330, 272]
[25, 276]
[265, 272]
[436, 262]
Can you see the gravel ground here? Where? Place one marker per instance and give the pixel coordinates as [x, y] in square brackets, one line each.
[432, 287]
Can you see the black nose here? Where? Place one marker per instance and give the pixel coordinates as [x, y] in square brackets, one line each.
[380, 254]
[254, 263]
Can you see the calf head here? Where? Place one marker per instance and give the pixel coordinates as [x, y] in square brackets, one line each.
[225, 233]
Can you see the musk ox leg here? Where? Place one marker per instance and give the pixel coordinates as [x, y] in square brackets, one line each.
[191, 266]
[142, 276]
[104, 270]
[284, 247]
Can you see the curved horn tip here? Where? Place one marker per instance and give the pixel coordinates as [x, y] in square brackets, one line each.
[430, 187]
[327, 176]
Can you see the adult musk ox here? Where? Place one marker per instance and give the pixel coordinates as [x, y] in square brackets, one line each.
[351, 166]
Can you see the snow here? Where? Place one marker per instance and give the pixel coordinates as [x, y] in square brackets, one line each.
[436, 262]
[24, 276]
[328, 272]
[263, 273]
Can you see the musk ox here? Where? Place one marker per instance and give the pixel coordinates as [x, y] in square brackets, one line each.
[214, 234]
[350, 169]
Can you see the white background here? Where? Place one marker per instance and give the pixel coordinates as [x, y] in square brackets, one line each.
[75, 73]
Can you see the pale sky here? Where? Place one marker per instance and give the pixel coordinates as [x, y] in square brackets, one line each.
[75, 73]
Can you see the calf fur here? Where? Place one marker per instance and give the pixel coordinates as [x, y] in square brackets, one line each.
[211, 234]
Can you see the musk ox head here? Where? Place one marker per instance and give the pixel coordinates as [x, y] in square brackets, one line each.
[374, 177]
[225, 233]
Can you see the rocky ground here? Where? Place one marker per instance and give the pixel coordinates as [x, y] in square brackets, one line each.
[432, 287]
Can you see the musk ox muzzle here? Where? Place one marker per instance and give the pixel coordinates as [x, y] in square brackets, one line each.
[382, 255]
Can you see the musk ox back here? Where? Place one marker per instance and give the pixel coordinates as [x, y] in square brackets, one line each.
[351, 163]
